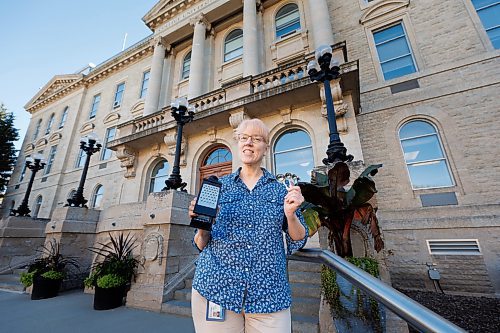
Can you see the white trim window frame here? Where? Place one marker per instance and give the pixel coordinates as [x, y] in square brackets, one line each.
[96, 100]
[64, 116]
[394, 59]
[50, 159]
[233, 45]
[489, 11]
[425, 162]
[110, 135]
[145, 83]
[186, 66]
[50, 123]
[290, 21]
[120, 91]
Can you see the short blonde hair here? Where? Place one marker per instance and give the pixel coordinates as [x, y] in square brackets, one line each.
[253, 123]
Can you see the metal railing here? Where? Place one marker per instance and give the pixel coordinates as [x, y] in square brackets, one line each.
[412, 312]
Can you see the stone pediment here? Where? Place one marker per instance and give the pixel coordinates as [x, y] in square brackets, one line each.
[160, 9]
[383, 9]
[57, 84]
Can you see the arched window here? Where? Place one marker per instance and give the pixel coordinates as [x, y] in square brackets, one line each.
[293, 153]
[233, 45]
[49, 124]
[217, 162]
[423, 154]
[158, 176]
[287, 20]
[63, 117]
[38, 204]
[96, 200]
[186, 66]
[37, 129]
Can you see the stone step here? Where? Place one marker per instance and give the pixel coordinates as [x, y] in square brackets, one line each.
[305, 306]
[304, 277]
[302, 266]
[305, 324]
[175, 307]
[183, 294]
[10, 278]
[14, 286]
[305, 290]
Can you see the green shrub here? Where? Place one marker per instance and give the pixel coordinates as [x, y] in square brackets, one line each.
[111, 281]
[53, 275]
[27, 278]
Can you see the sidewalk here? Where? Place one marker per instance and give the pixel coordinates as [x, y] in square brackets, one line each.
[72, 312]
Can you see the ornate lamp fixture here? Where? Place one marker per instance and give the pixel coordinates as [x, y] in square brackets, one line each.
[35, 164]
[329, 70]
[90, 144]
[183, 114]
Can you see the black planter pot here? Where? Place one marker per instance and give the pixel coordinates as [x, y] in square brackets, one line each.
[45, 288]
[108, 298]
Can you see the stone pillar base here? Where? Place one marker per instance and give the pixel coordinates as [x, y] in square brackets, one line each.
[20, 237]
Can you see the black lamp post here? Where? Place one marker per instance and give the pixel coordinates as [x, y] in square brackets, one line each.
[89, 144]
[329, 70]
[34, 164]
[183, 114]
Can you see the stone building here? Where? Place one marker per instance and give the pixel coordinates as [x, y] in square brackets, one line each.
[416, 93]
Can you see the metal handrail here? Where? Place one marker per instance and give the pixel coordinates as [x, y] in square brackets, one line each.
[414, 313]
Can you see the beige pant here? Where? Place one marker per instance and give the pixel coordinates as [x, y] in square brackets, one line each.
[277, 322]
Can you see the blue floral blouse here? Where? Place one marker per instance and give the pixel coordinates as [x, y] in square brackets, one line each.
[243, 266]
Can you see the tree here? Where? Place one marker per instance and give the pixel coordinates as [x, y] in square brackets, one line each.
[8, 135]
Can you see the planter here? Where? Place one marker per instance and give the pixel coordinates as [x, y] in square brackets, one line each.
[108, 298]
[45, 288]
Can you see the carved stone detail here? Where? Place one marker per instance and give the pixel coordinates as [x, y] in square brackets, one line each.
[212, 134]
[170, 140]
[153, 248]
[155, 151]
[286, 115]
[236, 117]
[339, 105]
[202, 19]
[128, 158]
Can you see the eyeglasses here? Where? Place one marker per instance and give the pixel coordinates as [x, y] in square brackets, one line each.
[254, 139]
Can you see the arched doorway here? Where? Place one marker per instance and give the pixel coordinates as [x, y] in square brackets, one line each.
[217, 162]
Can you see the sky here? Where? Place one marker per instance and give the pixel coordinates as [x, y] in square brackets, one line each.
[40, 39]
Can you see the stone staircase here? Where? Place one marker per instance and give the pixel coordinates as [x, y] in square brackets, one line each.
[11, 281]
[305, 282]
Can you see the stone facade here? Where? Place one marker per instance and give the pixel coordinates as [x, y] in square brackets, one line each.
[454, 88]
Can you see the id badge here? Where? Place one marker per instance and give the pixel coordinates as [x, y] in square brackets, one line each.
[215, 312]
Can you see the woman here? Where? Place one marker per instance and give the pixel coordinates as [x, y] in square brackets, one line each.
[242, 265]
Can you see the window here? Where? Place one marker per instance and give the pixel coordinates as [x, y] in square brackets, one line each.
[36, 208]
[287, 20]
[23, 171]
[145, 83]
[423, 154]
[220, 155]
[37, 129]
[489, 13]
[158, 177]
[97, 197]
[110, 135]
[95, 106]
[49, 124]
[233, 45]
[119, 95]
[63, 117]
[80, 159]
[394, 53]
[50, 160]
[186, 66]
[293, 153]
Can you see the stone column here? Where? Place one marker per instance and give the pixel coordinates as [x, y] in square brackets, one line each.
[154, 87]
[166, 84]
[196, 71]
[250, 38]
[321, 26]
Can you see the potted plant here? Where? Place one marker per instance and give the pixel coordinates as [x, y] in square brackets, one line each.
[47, 272]
[111, 276]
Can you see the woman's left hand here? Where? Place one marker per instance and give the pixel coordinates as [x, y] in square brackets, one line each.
[293, 200]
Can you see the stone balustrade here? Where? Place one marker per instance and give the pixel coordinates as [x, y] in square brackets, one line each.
[149, 122]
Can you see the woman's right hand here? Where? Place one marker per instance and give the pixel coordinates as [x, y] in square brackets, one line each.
[191, 208]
